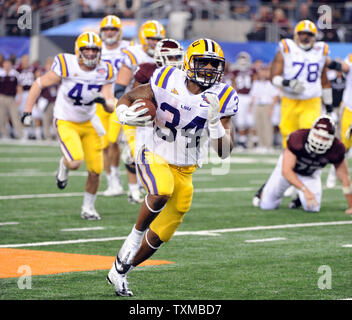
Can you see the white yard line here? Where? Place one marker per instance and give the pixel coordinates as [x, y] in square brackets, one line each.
[80, 194]
[182, 233]
[265, 240]
[82, 229]
[8, 223]
[347, 246]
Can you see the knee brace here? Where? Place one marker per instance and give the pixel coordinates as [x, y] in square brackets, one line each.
[131, 167]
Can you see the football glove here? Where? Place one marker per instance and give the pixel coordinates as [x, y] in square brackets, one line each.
[296, 86]
[213, 109]
[99, 98]
[26, 118]
[131, 117]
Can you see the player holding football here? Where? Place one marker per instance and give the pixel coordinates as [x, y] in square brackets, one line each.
[149, 34]
[189, 103]
[111, 35]
[300, 165]
[300, 69]
[84, 81]
[168, 52]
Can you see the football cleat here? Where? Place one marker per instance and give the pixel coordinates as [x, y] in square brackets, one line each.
[62, 175]
[135, 196]
[295, 203]
[119, 281]
[256, 201]
[290, 192]
[256, 198]
[115, 188]
[90, 214]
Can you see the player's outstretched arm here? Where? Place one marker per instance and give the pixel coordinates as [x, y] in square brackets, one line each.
[337, 65]
[47, 80]
[225, 144]
[124, 77]
[343, 174]
[107, 98]
[277, 66]
[219, 130]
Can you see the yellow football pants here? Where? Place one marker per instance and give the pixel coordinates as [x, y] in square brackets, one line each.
[161, 178]
[80, 141]
[346, 122]
[297, 114]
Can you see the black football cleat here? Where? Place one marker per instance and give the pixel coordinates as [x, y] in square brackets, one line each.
[295, 203]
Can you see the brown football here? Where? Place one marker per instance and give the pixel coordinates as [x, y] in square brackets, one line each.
[151, 108]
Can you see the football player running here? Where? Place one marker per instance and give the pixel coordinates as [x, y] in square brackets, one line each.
[84, 81]
[308, 152]
[189, 103]
[149, 34]
[300, 69]
[111, 35]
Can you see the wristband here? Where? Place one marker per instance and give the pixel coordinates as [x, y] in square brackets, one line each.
[278, 81]
[119, 90]
[216, 131]
[335, 65]
[327, 96]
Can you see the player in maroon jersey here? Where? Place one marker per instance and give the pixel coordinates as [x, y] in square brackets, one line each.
[242, 81]
[308, 152]
[167, 52]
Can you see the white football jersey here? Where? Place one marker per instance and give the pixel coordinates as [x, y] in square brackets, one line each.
[180, 133]
[347, 93]
[305, 66]
[78, 87]
[133, 57]
[114, 56]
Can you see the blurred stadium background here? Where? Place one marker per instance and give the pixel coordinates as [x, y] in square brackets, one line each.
[254, 26]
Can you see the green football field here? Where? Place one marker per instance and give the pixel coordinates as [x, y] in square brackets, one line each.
[224, 250]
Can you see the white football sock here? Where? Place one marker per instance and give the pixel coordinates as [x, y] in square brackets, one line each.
[89, 200]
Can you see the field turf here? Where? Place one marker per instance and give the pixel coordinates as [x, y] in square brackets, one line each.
[224, 250]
